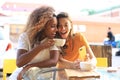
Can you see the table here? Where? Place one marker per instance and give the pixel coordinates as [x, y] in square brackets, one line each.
[75, 74]
[99, 73]
[105, 75]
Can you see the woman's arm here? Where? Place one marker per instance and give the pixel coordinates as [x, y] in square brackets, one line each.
[89, 51]
[91, 56]
[24, 56]
[63, 63]
[54, 56]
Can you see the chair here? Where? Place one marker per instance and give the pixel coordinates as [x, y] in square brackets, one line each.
[103, 51]
[9, 66]
[102, 62]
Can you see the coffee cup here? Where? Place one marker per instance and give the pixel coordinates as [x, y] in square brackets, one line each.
[86, 66]
[59, 42]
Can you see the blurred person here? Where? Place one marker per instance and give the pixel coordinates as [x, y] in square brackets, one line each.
[110, 35]
[36, 50]
[70, 56]
[110, 38]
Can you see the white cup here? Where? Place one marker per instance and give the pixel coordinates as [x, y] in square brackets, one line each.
[59, 42]
[86, 66]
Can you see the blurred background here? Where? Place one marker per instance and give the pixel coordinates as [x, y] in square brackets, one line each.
[91, 17]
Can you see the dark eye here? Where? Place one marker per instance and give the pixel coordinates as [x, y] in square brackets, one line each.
[66, 25]
[53, 26]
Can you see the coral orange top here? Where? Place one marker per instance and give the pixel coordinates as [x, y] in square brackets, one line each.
[72, 52]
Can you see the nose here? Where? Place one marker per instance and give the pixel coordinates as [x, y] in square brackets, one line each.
[62, 28]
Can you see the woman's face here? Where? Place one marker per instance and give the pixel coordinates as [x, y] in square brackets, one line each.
[64, 27]
[51, 28]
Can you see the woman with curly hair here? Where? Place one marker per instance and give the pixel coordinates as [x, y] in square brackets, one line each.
[36, 51]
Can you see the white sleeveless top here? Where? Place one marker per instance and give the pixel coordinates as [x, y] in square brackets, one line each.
[24, 43]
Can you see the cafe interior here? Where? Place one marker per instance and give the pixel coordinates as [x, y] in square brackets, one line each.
[90, 17]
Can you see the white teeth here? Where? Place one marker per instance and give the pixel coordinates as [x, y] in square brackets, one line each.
[63, 32]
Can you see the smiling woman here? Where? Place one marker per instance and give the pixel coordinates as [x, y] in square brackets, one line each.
[36, 50]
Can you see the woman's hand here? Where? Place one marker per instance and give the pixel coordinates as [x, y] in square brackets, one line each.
[87, 57]
[48, 43]
[19, 77]
[77, 64]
